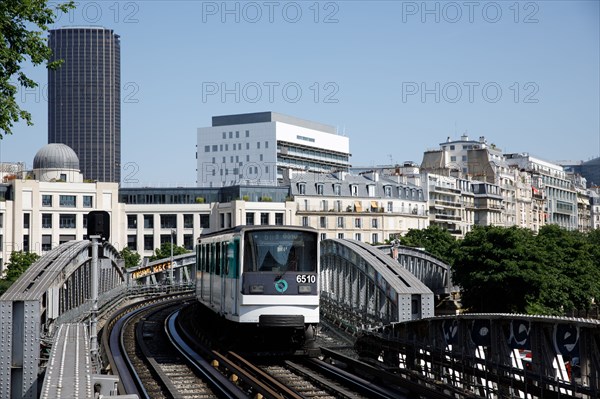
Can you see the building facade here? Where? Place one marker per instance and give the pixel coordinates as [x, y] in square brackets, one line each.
[260, 148]
[367, 208]
[84, 99]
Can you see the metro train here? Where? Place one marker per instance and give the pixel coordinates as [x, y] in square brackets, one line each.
[263, 284]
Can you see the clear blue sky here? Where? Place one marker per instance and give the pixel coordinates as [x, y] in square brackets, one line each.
[362, 66]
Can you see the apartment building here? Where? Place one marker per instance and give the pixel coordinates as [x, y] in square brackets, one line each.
[367, 207]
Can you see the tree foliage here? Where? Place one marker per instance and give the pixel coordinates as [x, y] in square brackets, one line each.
[512, 270]
[18, 262]
[165, 251]
[23, 26]
[433, 239]
[132, 258]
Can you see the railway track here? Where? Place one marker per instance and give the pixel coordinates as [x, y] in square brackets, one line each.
[155, 357]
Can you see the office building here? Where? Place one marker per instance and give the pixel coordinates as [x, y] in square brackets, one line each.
[261, 148]
[84, 99]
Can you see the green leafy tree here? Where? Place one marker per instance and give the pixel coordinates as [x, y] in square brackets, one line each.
[165, 251]
[132, 258]
[571, 262]
[498, 269]
[18, 262]
[23, 27]
[434, 239]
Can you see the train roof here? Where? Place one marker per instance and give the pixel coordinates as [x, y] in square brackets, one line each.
[238, 229]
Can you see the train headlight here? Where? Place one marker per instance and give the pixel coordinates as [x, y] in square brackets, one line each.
[304, 289]
[257, 289]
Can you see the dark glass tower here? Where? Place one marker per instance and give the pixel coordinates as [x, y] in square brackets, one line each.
[84, 99]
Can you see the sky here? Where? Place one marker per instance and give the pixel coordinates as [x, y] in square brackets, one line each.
[396, 77]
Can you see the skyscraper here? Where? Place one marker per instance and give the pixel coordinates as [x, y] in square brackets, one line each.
[84, 99]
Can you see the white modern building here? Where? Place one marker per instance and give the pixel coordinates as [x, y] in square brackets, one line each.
[259, 148]
[561, 196]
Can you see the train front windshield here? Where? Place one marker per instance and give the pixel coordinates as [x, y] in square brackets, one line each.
[280, 251]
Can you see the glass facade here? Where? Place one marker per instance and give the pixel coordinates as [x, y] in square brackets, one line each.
[84, 99]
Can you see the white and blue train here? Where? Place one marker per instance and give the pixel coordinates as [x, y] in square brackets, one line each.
[264, 281]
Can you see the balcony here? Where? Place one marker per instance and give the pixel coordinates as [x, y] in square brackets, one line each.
[441, 216]
[451, 204]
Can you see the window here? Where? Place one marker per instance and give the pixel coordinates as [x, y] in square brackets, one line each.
[340, 221]
[168, 221]
[148, 221]
[46, 220]
[46, 200]
[305, 221]
[85, 216]
[453, 158]
[258, 144]
[388, 191]
[374, 223]
[222, 217]
[337, 189]
[26, 219]
[452, 147]
[65, 238]
[374, 238]
[341, 236]
[131, 221]
[237, 134]
[205, 221]
[87, 201]
[247, 133]
[358, 223]
[132, 241]
[166, 238]
[206, 148]
[319, 189]
[250, 218]
[67, 201]
[230, 135]
[46, 242]
[264, 218]
[25, 242]
[215, 148]
[188, 221]
[1, 220]
[301, 188]
[148, 242]
[371, 190]
[66, 221]
[357, 236]
[323, 222]
[188, 241]
[464, 157]
[390, 206]
[224, 135]
[354, 190]
[279, 219]
[323, 236]
[248, 147]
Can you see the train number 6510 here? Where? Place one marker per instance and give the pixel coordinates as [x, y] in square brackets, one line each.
[306, 278]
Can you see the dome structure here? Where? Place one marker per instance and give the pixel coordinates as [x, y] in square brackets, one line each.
[56, 156]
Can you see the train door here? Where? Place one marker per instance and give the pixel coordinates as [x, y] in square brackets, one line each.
[232, 275]
[223, 275]
[211, 257]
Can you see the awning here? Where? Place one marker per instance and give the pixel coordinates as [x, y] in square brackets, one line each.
[358, 206]
[374, 204]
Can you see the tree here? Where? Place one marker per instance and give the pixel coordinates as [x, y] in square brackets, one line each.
[165, 251]
[132, 258]
[437, 241]
[498, 269]
[571, 258]
[18, 262]
[23, 25]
